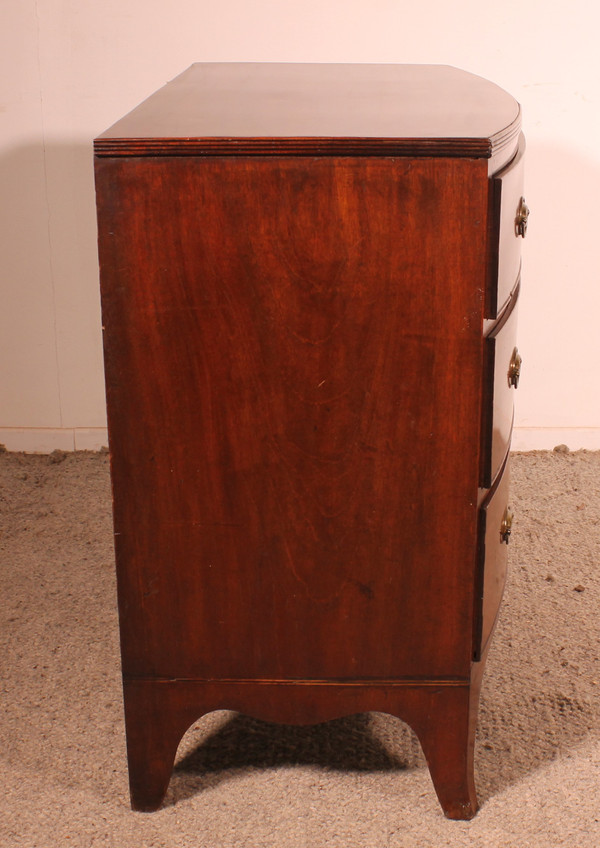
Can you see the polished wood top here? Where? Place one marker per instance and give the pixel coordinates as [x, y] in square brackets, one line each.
[319, 109]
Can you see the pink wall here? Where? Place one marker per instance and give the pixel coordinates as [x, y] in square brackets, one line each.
[73, 68]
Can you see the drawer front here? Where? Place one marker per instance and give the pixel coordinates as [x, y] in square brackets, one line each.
[494, 534]
[507, 228]
[501, 378]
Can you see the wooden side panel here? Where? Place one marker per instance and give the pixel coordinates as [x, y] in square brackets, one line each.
[293, 362]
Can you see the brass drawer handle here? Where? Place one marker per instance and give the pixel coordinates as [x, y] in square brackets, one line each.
[514, 369]
[506, 527]
[521, 219]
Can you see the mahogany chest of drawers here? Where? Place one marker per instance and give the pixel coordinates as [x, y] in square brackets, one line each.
[309, 282]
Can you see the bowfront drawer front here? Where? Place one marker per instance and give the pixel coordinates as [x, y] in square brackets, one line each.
[501, 378]
[508, 215]
[495, 520]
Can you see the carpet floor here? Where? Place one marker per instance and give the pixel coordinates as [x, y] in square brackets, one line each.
[360, 782]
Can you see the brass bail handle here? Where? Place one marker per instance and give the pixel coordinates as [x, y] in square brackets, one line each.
[522, 219]
[506, 526]
[514, 368]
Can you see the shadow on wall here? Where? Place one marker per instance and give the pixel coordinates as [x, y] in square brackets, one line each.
[50, 328]
[50, 338]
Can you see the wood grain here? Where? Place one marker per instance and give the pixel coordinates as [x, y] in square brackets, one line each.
[328, 109]
[444, 718]
[298, 266]
[286, 443]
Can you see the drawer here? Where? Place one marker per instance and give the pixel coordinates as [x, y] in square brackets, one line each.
[506, 231]
[502, 364]
[494, 523]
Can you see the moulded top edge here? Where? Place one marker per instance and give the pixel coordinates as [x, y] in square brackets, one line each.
[287, 107]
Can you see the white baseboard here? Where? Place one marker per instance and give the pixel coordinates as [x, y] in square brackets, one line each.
[547, 438]
[46, 439]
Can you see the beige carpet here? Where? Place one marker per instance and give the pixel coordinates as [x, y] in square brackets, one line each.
[357, 782]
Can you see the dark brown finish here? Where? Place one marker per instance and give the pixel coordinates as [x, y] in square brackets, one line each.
[443, 714]
[296, 413]
[295, 376]
[499, 406]
[322, 110]
[506, 199]
[493, 560]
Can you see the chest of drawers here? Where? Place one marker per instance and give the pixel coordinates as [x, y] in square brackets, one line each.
[309, 282]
